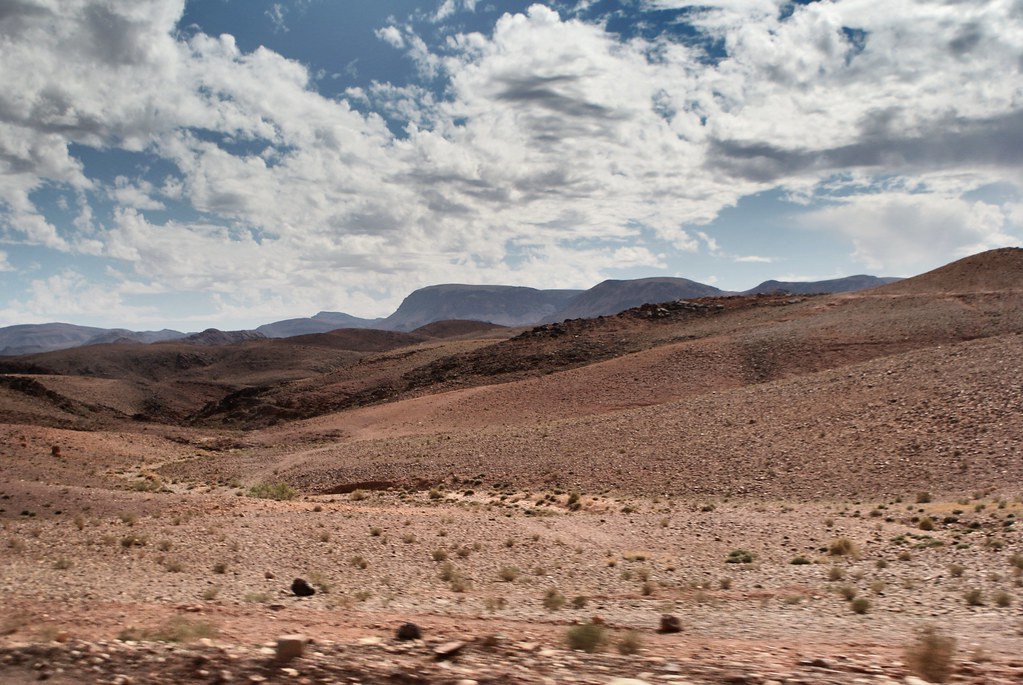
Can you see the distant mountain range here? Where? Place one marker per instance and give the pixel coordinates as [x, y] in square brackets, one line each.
[497, 304]
[837, 285]
[501, 304]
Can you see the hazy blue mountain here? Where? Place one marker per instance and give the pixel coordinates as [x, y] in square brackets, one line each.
[213, 336]
[501, 304]
[323, 322]
[123, 335]
[835, 285]
[611, 297]
[46, 337]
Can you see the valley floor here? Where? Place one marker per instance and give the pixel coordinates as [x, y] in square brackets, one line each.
[509, 573]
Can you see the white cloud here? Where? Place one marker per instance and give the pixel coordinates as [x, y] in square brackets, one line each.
[752, 259]
[521, 145]
[71, 296]
[392, 36]
[276, 14]
[4, 264]
[909, 232]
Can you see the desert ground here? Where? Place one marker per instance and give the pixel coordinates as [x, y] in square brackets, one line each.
[758, 489]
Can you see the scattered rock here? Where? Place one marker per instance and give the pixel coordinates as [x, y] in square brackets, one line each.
[302, 589]
[409, 631]
[290, 647]
[448, 650]
[670, 624]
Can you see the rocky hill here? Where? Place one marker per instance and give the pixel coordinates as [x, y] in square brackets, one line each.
[611, 297]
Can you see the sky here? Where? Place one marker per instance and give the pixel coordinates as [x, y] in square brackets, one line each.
[227, 163]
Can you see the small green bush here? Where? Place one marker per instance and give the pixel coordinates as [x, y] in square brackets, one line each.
[586, 637]
[740, 556]
[974, 597]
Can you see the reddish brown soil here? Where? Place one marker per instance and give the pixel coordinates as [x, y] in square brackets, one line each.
[434, 480]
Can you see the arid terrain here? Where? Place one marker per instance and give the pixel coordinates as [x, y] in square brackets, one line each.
[804, 482]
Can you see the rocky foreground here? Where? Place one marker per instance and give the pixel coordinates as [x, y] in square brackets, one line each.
[493, 659]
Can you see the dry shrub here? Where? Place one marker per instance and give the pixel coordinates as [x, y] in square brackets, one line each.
[930, 657]
[630, 643]
[842, 547]
[554, 600]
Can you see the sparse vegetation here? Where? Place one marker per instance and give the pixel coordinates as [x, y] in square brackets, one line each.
[974, 597]
[740, 556]
[553, 599]
[177, 629]
[279, 491]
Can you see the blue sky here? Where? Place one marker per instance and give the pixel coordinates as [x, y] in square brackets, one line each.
[233, 162]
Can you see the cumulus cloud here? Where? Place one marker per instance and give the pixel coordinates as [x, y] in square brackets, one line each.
[905, 232]
[544, 151]
[392, 36]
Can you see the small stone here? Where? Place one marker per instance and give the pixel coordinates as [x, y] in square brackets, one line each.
[628, 681]
[291, 672]
[301, 588]
[269, 575]
[467, 681]
[448, 650]
[290, 647]
[913, 680]
[409, 631]
[670, 624]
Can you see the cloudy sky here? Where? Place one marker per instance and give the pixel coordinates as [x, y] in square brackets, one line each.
[232, 162]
